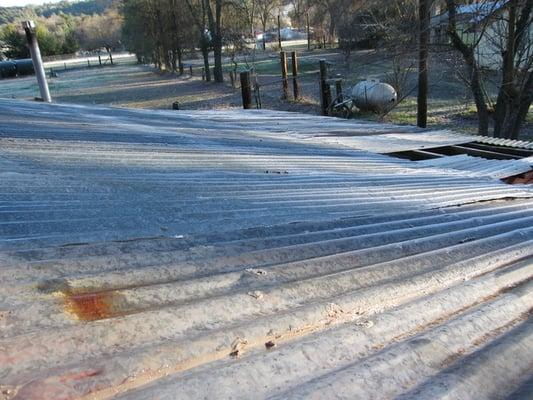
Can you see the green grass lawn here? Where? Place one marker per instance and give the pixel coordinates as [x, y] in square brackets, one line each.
[272, 66]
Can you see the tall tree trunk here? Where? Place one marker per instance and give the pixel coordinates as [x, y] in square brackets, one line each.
[333, 11]
[167, 59]
[161, 48]
[422, 101]
[476, 85]
[525, 102]
[216, 35]
[279, 33]
[176, 52]
[252, 19]
[505, 104]
[479, 97]
[264, 35]
[174, 61]
[511, 117]
[217, 70]
[156, 58]
[179, 53]
[205, 54]
[108, 49]
[204, 41]
[308, 31]
[525, 89]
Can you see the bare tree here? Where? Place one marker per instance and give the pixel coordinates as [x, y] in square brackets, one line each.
[199, 15]
[299, 8]
[214, 18]
[265, 13]
[248, 8]
[178, 33]
[423, 43]
[506, 28]
[97, 31]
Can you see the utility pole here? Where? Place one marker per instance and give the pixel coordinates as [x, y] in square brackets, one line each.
[29, 28]
[422, 103]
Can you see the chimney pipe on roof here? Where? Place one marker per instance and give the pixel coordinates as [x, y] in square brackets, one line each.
[29, 28]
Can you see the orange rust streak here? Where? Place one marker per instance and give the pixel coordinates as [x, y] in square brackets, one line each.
[77, 376]
[91, 306]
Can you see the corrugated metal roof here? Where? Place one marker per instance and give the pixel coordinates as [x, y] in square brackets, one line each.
[505, 142]
[478, 166]
[163, 255]
[223, 126]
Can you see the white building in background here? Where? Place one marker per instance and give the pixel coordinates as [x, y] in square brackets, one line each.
[484, 24]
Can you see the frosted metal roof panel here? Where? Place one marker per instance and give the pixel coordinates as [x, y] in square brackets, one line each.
[478, 166]
[169, 255]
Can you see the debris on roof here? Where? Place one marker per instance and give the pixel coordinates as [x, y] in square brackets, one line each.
[163, 254]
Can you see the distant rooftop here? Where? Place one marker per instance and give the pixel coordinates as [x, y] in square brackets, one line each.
[476, 12]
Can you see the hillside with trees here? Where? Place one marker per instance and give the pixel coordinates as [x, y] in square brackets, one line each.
[74, 8]
[62, 28]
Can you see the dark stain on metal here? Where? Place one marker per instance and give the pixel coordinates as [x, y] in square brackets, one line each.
[53, 286]
[270, 344]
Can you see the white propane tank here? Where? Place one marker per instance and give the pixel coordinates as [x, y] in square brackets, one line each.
[373, 95]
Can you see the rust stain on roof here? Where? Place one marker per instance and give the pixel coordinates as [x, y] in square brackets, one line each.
[93, 306]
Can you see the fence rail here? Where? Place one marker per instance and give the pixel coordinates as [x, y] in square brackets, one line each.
[250, 83]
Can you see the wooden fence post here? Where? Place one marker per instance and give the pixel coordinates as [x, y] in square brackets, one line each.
[99, 60]
[285, 82]
[295, 87]
[325, 92]
[246, 90]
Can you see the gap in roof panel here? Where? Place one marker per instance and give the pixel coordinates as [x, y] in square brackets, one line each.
[512, 165]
